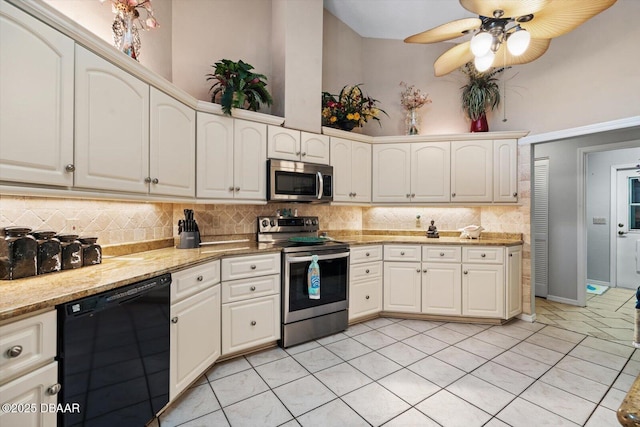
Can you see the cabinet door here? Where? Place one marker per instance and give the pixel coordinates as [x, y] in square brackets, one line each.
[250, 160]
[30, 390]
[342, 169]
[361, 172]
[112, 126]
[402, 286]
[250, 323]
[172, 148]
[314, 148]
[430, 172]
[505, 174]
[441, 289]
[514, 281]
[471, 171]
[391, 173]
[283, 143]
[483, 290]
[365, 297]
[215, 156]
[36, 101]
[195, 338]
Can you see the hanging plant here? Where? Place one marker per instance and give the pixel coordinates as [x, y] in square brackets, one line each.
[236, 86]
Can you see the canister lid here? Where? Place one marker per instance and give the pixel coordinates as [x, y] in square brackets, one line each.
[16, 230]
[67, 237]
[87, 240]
[43, 234]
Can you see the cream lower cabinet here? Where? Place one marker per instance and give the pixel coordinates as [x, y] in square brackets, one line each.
[402, 278]
[441, 290]
[28, 372]
[483, 293]
[250, 301]
[195, 324]
[36, 100]
[365, 281]
[513, 263]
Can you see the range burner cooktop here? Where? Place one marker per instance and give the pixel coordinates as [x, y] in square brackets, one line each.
[280, 231]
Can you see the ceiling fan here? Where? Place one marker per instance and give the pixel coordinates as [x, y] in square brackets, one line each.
[507, 32]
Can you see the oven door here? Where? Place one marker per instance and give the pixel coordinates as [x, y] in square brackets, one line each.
[302, 182]
[334, 284]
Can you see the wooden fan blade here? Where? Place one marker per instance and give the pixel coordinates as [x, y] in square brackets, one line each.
[511, 8]
[537, 47]
[453, 59]
[562, 16]
[447, 31]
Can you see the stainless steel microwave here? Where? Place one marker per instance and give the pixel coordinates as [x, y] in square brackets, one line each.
[289, 181]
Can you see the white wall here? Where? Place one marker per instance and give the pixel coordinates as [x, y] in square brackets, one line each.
[598, 205]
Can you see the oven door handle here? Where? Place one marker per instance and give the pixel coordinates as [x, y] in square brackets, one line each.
[305, 258]
[320, 185]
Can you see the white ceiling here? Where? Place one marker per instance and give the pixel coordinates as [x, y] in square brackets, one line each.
[395, 19]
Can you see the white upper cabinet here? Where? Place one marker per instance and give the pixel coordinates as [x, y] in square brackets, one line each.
[351, 161]
[231, 158]
[173, 147]
[391, 173]
[289, 144]
[112, 126]
[430, 171]
[505, 170]
[472, 171]
[36, 101]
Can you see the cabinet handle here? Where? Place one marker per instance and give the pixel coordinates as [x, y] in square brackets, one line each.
[174, 320]
[350, 194]
[510, 255]
[367, 254]
[413, 195]
[237, 189]
[401, 253]
[515, 194]
[14, 351]
[355, 194]
[417, 270]
[367, 271]
[253, 267]
[147, 179]
[54, 389]
[424, 271]
[155, 181]
[253, 323]
[70, 167]
[483, 255]
[253, 288]
[466, 272]
[408, 195]
[297, 153]
[230, 188]
[304, 154]
[199, 278]
[441, 253]
[453, 194]
[367, 297]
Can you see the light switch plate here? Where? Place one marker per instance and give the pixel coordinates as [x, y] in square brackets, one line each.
[599, 220]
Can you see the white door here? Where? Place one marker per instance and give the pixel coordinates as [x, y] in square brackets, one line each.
[627, 228]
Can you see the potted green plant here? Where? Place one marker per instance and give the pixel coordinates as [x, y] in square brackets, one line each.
[479, 95]
[237, 86]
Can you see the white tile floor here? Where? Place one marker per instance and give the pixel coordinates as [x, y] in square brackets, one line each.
[418, 373]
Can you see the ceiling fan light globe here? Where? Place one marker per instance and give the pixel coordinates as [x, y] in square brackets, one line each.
[518, 42]
[483, 63]
[481, 43]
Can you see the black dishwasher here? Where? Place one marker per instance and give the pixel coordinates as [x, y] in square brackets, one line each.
[113, 353]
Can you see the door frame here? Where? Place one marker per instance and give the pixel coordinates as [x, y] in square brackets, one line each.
[613, 251]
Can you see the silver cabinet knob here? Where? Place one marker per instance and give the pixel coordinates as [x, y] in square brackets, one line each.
[230, 188]
[297, 153]
[174, 320]
[408, 195]
[355, 194]
[70, 167]
[199, 278]
[367, 254]
[237, 188]
[441, 253]
[515, 194]
[304, 154]
[424, 271]
[483, 255]
[14, 351]
[253, 266]
[413, 195]
[466, 272]
[54, 389]
[253, 288]
[417, 270]
[155, 180]
[253, 323]
[510, 255]
[147, 179]
[367, 297]
[350, 194]
[367, 271]
[402, 253]
[453, 194]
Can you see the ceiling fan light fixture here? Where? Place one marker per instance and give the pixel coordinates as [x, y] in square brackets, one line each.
[481, 43]
[518, 41]
[483, 63]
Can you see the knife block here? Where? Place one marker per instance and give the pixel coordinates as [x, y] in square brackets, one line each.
[189, 240]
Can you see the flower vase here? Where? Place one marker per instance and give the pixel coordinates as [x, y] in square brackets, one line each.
[412, 122]
[480, 124]
[125, 34]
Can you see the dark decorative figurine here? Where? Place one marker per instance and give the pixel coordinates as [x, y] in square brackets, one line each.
[432, 232]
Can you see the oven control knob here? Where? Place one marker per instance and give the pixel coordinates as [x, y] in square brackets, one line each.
[307, 222]
[273, 222]
[314, 222]
[265, 223]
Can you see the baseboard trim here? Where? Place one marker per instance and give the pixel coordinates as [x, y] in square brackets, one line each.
[563, 300]
[531, 318]
[598, 282]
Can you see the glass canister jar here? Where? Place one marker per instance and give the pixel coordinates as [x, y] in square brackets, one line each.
[91, 251]
[49, 251]
[71, 251]
[18, 253]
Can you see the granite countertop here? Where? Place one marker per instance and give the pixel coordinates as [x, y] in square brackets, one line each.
[29, 295]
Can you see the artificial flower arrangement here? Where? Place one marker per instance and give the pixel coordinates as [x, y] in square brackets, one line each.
[349, 109]
[125, 24]
[412, 98]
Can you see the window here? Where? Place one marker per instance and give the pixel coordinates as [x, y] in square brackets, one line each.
[634, 203]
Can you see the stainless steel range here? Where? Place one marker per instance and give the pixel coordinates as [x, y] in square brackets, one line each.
[305, 319]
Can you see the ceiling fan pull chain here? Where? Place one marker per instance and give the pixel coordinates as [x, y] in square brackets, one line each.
[504, 87]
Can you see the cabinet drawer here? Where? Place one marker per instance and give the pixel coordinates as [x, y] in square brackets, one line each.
[483, 254]
[250, 266]
[33, 341]
[402, 253]
[441, 253]
[253, 287]
[192, 280]
[247, 324]
[365, 271]
[365, 298]
[366, 253]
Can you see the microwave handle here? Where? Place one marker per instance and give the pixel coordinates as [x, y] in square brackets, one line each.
[321, 185]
